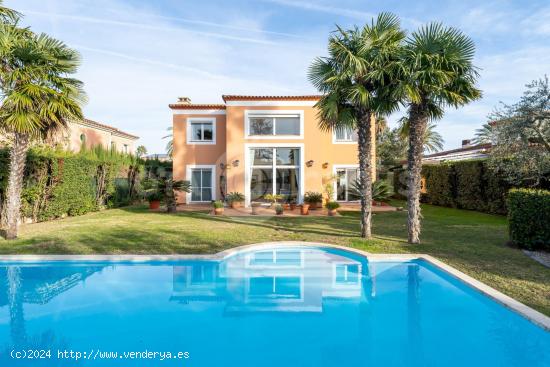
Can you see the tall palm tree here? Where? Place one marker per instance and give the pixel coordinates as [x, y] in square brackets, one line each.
[356, 80]
[170, 144]
[433, 141]
[37, 98]
[439, 73]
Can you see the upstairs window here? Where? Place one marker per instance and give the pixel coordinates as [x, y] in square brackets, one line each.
[201, 131]
[271, 125]
[345, 135]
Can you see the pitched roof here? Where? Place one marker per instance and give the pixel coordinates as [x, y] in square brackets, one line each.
[195, 106]
[112, 129]
[232, 97]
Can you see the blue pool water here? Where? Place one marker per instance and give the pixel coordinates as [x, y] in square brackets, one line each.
[278, 306]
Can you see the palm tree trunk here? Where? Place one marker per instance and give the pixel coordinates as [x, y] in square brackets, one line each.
[18, 156]
[418, 121]
[364, 133]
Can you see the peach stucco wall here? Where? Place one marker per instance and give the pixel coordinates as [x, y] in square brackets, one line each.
[230, 147]
[94, 137]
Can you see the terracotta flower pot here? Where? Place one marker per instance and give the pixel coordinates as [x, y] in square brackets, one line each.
[304, 209]
[218, 211]
[154, 204]
[292, 206]
[236, 204]
[332, 212]
[255, 209]
[286, 206]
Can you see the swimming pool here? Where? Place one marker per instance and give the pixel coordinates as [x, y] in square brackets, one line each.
[267, 306]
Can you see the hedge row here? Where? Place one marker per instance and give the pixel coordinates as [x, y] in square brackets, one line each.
[57, 184]
[463, 184]
[529, 218]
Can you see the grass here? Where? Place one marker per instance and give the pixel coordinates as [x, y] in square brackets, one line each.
[470, 241]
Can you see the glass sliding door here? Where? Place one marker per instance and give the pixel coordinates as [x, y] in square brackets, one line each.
[201, 184]
[274, 171]
[345, 180]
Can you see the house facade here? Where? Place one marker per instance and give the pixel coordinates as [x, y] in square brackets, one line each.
[260, 145]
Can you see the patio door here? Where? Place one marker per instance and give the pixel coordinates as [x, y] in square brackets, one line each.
[345, 179]
[274, 171]
[201, 185]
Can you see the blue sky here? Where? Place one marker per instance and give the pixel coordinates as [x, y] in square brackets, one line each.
[139, 55]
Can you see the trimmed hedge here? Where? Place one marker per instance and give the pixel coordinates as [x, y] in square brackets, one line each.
[58, 183]
[529, 218]
[464, 184]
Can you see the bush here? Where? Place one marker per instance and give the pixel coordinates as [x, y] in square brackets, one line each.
[331, 205]
[312, 197]
[235, 197]
[529, 218]
[58, 183]
[217, 204]
[279, 209]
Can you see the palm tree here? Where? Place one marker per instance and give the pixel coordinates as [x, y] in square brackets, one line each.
[439, 72]
[170, 144]
[433, 141]
[37, 98]
[356, 81]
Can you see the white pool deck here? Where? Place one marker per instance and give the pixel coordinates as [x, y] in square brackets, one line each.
[524, 310]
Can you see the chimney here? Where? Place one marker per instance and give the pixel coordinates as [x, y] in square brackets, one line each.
[466, 143]
[184, 100]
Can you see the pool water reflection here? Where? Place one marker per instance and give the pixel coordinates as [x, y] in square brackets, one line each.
[292, 306]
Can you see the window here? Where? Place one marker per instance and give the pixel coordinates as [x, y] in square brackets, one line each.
[266, 124]
[202, 184]
[345, 135]
[125, 148]
[346, 179]
[83, 138]
[346, 274]
[274, 171]
[201, 131]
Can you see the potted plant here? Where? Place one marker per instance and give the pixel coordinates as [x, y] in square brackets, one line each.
[304, 209]
[286, 205]
[313, 199]
[154, 198]
[293, 204]
[331, 207]
[218, 207]
[255, 207]
[279, 209]
[273, 198]
[235, 199]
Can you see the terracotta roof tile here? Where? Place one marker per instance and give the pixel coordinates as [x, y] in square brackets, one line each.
[110, 128]
[232, 97]
[194, 106]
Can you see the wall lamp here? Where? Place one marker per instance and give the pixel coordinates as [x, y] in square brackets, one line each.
[235, 163]
[309, 163]
[325, 165]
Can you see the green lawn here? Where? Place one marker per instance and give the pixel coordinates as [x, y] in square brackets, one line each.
[470, 241]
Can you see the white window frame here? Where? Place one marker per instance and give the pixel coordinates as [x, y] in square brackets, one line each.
[191, 120]
[356, 284]
[273, 113]
[335, 169]
[248, 165]
[188, 175]
[336, 141]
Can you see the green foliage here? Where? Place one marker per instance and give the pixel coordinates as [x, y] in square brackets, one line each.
[234, 197]
[312, 197]
[381, 190]
[58, 183]
[331, 205]
[217, 204]
[279, 209]
[468, 185]
[528, 217]
[273, 198]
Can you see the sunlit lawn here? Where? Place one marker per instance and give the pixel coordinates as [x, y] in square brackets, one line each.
[470, 241]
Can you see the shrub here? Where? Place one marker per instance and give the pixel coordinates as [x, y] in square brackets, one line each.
[312, 197]
[279, 209]
[439, 184]
[529, 218]
[273, 198]
[331, 205]
[235, 197]
[217, 204]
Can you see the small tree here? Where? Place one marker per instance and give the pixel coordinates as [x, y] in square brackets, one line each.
[520, 137]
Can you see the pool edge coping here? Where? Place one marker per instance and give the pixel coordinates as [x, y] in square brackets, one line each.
[527, 312]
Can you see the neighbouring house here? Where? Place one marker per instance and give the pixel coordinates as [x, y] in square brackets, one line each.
[89, 133]
[466, 152]
[162, 157]
[259, 145]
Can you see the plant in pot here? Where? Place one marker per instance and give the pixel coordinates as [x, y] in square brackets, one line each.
[279, 209]
[313, 199]
[154, 198]
[235, 199]
[292, 203]
[218, 207]
[304, 208]
[286, 204]
[332, 207]
[273, 198]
